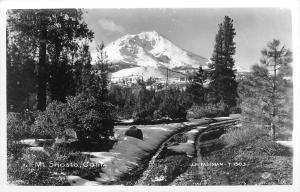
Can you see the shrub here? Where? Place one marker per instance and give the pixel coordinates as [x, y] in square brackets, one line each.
[272, 148]
[143, 115]
[208, 110]
[91, 120]
[15, 150]
[173, 111]
[25, 171]
[18, 125]
[51, 122]
[243, 135]
[50, 167]
[171, 105]
[235, 110]
[157, 114]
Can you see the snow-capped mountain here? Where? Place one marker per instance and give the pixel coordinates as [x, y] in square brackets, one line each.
[149, 54]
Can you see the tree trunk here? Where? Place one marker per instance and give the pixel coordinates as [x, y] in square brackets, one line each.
[41, 69]
[273, 129]
[57, 92]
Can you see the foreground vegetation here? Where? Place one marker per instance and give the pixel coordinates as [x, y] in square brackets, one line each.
[257, 162]
[49, 166]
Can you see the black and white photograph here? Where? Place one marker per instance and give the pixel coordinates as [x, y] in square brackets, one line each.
[149, 96]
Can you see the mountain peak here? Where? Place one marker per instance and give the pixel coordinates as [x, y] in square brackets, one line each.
[148, 48]
[148, 34]
[148, 54]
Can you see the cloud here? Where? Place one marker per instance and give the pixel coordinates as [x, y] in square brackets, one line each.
[110, 26]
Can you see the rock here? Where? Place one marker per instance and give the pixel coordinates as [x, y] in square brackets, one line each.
[133, 131]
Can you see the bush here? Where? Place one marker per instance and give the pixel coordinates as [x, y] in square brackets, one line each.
[235, 110]
[24, 170]
[18, 125]
[172, 104]
[91, 120]
[173, 111]
[208, 110]
[243, 135]
[157, 114]
[15, 150]
[50, 167]
[51, 122]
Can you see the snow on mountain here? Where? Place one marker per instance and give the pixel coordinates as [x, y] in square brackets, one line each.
[149, 54]
[151, 49]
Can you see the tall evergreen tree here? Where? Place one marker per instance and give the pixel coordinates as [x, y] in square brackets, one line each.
[20, 75]
[223, 86]
[82, 67]
[103, 66]
[51, 38]
[195, 89]
[65, 50]
[276, 58]
[95, 78]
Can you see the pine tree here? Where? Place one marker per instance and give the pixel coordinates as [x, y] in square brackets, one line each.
[20, 75]
[49, 36]
[275, 58]
[223, 86]
[82, 68]
[195, 89]
[95, 78]
[65, 51]
[103, 67]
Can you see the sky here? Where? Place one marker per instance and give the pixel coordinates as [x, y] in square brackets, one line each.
[195, 29]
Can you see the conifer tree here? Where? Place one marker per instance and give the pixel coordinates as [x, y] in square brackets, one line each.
[50, 37]
[223, 86]
[82, 68]
[195, 89]
[96, 78]
[275, 57]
